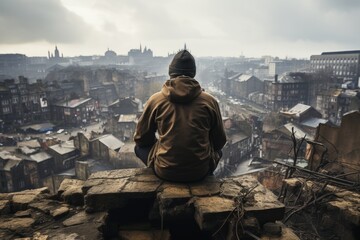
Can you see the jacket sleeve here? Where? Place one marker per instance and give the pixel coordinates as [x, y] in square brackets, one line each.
[217, 133]
[145, 130]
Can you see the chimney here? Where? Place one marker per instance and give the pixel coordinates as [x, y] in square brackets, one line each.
[276, 78]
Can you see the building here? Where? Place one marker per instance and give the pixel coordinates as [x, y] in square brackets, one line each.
[39, 166]
[127, 105]
[13, 65]
[287, 65]
[74, 112]
[300, 112]
[127, 157]
[278, 143]
[22, 102]
[12, 174]
[286, 91]
[140, 56]
[105, 147]
[241, 85]
[125, 127]
[341, 145]
[335, 102]
[342, 64]
[64, 155]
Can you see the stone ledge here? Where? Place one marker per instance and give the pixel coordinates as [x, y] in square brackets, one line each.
[208, 203]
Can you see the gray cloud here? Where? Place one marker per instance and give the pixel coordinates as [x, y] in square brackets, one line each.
[24, 21]
[208, 27]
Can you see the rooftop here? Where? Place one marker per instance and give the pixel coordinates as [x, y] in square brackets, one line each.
[41, 156]
[128, 118]
[111, 142]
[64, 148]
[73, 103]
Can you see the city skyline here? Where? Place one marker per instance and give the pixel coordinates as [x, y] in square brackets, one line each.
[294, 29]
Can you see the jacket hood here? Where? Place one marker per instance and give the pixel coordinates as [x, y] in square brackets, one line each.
[181, 89]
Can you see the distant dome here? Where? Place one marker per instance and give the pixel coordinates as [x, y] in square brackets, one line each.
[110, 54]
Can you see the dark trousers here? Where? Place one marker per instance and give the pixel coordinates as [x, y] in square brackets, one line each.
[143, 153]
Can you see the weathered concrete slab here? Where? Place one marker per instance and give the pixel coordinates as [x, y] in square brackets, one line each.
[212, 211]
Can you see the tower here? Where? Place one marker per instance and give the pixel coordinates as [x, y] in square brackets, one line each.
[57, 55]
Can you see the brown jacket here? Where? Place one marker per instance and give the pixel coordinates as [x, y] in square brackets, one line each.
[189, 127]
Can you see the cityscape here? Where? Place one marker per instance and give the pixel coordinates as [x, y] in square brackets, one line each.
[69, 117]
[67, 122]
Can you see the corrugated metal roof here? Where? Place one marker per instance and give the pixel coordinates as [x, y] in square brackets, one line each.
[111, 142]
[299, 133]
[314, 122]
[64, 148]
[298, 109]
[290, 79]
[243, 78]
[41, 156]
[39, 127]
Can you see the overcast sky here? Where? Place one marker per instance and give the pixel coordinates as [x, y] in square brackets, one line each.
[284, 28]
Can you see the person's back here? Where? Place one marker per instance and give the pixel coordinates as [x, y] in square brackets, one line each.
[189, 126]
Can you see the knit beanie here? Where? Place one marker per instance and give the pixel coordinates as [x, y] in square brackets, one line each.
[182, 64]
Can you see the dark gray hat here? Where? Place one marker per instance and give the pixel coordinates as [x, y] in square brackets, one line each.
[182, 64]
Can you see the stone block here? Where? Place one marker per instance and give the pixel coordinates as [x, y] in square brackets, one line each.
[208, 187]
[144, 235]
[272, 228]
[21, 202]
[17, 224]
[173, 195]
[212, 211]
[286, 234]
[59, 212]
[140, 189]
[118, 173]
[83, 217]
[44, 205]
[145, 178]
[23, 214]
[70, 191]
[106, 196]
[259, 202]
[4, 207]
[230, 189]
